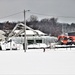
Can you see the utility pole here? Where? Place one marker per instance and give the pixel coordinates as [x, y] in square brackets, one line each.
[25, 40]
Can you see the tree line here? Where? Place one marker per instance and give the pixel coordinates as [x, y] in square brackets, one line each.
[50, 26]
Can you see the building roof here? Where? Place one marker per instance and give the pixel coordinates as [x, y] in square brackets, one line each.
[2, 32]
[30, 32]
[2, 37]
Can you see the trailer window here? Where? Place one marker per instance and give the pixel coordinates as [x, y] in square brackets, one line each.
[30, 41]
[38, 41]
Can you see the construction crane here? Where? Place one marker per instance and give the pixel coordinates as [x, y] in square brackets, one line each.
[12, 33]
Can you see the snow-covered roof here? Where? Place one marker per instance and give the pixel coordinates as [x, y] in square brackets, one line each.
[2, 37]
[2, 32]
[30, 32]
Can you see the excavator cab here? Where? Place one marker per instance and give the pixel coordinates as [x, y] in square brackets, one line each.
[64, 40]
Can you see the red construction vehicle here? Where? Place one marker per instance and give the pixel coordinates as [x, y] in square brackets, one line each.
[66, 40]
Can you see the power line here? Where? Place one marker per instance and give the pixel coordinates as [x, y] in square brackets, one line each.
[11, 15]
[37, 14]
[53, 15]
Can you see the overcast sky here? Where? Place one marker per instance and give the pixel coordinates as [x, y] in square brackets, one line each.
[50, 7]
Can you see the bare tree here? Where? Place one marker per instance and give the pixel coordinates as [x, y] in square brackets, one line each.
[33, 18]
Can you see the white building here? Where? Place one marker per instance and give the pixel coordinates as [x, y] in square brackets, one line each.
[32, 37]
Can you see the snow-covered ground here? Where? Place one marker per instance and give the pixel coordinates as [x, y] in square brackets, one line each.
[52, 61]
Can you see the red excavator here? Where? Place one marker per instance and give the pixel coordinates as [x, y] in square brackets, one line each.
[66, 40]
